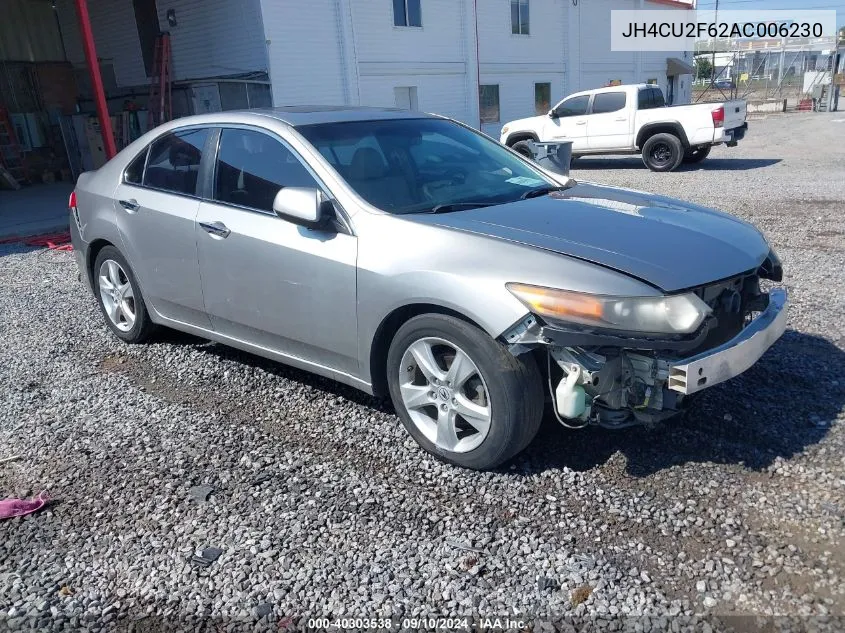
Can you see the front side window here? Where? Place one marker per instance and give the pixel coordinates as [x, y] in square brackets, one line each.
[488, 103]
[419, 165]
[251, 168]
[174, 161]
[519, 17]
[407, 13]
[608, 102]
[574, 106]
[542, 98]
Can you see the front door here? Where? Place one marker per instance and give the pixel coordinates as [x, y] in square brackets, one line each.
[156, 207]
[569, 122]
[267, 281]
[610, 125]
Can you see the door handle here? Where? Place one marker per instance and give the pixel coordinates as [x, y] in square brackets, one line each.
[217, 229]
[580, 123]
[622, 118]
[130, 205]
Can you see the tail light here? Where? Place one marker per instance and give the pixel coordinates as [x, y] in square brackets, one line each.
[718, 117]
[71, 203]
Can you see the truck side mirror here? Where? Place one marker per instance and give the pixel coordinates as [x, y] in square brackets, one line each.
[552, 114]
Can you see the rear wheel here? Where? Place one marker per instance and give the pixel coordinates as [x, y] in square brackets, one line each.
[120, 298]
[462, 395]
[663, 152]
[698, 154]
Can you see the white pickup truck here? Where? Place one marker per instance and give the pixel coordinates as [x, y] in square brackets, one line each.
[630, 120]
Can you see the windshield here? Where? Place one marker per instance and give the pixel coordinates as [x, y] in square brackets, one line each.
[423, 165]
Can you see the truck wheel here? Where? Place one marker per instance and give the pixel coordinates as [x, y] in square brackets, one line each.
[523, 147]
[663, 152]
[698, 154]
[461, 394]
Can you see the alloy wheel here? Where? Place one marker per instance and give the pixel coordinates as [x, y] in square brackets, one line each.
[117, 295]
[445, 394]
[661, 153]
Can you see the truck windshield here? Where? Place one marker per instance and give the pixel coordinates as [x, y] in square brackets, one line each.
[421, 165]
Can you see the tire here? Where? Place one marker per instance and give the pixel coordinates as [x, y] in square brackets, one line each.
[125, 313]
[663, 152]
[505, 388]
[523, 147]
[697, 155]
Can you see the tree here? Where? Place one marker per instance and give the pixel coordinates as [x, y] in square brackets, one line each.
[703, 68]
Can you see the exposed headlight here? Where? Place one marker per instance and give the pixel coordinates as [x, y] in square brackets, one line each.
[676, 314]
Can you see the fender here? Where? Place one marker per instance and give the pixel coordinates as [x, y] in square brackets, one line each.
[671, 127]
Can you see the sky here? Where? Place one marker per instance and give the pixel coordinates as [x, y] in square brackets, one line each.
[743, 5]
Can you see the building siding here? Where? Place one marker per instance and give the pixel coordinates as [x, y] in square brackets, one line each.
[212, 40]
[516, 62]
[305, 51]
[115, 36]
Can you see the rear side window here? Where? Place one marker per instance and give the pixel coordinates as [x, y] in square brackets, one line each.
[174, 161]
[608, 102]
[134, 173]
[575, 106]
[650, 98]
[252, 167]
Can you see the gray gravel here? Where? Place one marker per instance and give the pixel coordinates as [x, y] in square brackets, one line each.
[319, 503]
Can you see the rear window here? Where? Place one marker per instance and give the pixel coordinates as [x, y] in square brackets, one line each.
[608, 102]
[650, 98]
[174, 161]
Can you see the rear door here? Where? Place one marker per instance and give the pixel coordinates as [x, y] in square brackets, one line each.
[569, 122]
[156, 206]
[609, 123]
[267, 281]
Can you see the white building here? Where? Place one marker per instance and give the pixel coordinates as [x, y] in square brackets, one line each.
[520, 56]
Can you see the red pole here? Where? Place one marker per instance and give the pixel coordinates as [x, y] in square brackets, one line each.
[96, 79]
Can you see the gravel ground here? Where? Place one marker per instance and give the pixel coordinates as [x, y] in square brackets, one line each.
[322, 505]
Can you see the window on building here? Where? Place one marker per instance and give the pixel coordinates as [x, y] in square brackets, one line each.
[407, 13]
[174, 161]
[608, 102]
[542, 98]
[134, 173]
[519, 17]
[488, 103]
[574, 106]
[146, 20]
[252, 167]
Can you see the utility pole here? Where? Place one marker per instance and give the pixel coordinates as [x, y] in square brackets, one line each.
[834, 66]
[713, 56]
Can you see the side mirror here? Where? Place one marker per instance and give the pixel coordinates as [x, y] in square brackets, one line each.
[552, 114]
[301, 205]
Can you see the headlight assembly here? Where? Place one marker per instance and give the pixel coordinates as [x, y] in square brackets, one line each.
[676, 314]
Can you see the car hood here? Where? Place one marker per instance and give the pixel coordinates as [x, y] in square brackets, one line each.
[667, 243]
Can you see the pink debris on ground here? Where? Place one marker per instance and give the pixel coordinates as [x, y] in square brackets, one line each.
[10, 508]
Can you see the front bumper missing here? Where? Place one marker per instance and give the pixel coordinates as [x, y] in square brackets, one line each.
[690, 375]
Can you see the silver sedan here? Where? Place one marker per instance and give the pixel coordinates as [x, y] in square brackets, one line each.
[410, 256]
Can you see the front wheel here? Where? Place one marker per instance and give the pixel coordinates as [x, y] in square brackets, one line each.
[462, 395]
[698, 154]
[663, 152]
[524, 148]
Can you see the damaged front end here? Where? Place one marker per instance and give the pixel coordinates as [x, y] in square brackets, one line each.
[617, 379]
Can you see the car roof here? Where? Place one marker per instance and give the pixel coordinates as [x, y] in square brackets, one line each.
[308, 115]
